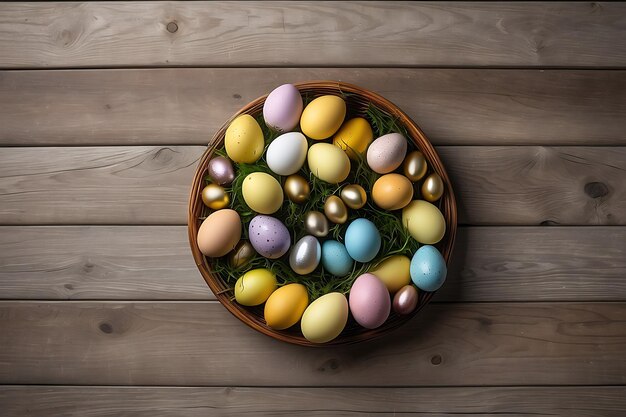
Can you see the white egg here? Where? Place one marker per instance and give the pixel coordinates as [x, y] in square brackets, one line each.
[287, 153]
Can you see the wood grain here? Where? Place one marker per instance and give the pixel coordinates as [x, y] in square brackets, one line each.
[112, 34]
[187, 105]
[155, 263]
[339, 402]
[200, 343]
[522, 185]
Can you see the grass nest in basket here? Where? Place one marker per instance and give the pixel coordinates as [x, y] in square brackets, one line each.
[384, 118]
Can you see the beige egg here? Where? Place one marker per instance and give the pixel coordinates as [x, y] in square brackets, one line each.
[392, 192]
[219, 233]
[424, 222]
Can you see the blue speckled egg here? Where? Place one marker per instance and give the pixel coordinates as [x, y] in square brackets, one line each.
[269, 236]
[335, 258]
[362, 240]
[428, 268]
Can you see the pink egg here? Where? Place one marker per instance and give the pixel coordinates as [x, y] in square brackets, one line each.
[370, 302]
[282, 108]
[387, 153]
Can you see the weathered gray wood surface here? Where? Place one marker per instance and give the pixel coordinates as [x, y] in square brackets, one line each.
[510, 185]
[186, 105]
[200, 343]
[112, 34]
[306, 401]
[155, 263]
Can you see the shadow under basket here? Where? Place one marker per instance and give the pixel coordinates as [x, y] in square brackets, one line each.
[357, 100]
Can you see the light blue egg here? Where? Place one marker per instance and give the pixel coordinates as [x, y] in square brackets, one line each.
[335, 258]
[428, 269]
[362, 240]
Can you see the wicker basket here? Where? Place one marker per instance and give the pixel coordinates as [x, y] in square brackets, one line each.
[357, 100]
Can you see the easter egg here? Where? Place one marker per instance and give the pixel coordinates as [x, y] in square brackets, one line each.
[394, 272]
[335, 258]
[241, 255]
[219, 233]
[414, 166]
[392, 191]
[362, 240]
[428, 268]
[221, 170]
[335, 210]
[370, 303]
[354, 196]
[286, 154]
[424, 221]
[282, 108]
[305, 255]
[432, 188]
[328, 163]
[244, 140]
[405, 300]
[297, 189]
[322, 117]
[215, 197]
[269, 236]
[255, 286]
[354, 137]
[316, 223]
[325, 318]
[262, 193]
[285, 306]
[387, 153]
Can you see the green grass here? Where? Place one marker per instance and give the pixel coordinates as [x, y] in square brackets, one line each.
[395, 239]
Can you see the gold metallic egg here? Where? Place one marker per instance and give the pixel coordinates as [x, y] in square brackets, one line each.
[297, 189]
[415, 166]
[354, 196]
[335, 210]
[432, 189]
[241, 255]
[316, 223]
[215, 197]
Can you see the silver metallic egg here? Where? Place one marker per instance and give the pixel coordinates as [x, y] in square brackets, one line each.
[305, 255]
[316, 223]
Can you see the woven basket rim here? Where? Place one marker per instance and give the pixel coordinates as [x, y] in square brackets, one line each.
[447, 205]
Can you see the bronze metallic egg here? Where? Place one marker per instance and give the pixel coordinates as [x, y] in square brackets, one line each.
[354, 196]
[432, 188]
[297, 189]
[241, 255]
[415, 166]
[335, 210]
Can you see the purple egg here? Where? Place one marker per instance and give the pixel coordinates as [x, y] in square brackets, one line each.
[221, 170]
[282, 108]
[269, 236]
[370, 302]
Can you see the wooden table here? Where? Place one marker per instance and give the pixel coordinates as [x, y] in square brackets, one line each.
[106, 107]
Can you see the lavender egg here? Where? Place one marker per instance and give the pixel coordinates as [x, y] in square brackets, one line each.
[282, 108]
[221, 170]
[405, 300]
[269, 236]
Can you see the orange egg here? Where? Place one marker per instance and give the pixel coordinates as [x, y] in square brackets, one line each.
[285, 306]
[392, 192]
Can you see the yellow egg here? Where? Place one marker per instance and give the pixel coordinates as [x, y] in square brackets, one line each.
[328, 163]
[322, 117]
[262, 193]
[285, 306]
[424, 221]
[255, 286]
[392, 191]
[354, 137]
[394, 272]
[325, 318]
[244, 140]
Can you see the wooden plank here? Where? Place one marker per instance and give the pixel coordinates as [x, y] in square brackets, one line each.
[523, 185]
[110, 34]
[236, 401]
[200, 343]
[187, 105]
[154, 263]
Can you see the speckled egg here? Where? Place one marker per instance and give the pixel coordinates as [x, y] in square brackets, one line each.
[335, 258]
[269, 236]
[370, 302]
[244, 140]
[362, 240]
[387, 153]
[282, 108]
[428, 268]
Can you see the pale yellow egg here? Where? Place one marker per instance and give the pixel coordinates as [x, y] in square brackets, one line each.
[244, 140]
[262, 193]
[325, 318]
[328, 162]
[394, 272]
[424, 221]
